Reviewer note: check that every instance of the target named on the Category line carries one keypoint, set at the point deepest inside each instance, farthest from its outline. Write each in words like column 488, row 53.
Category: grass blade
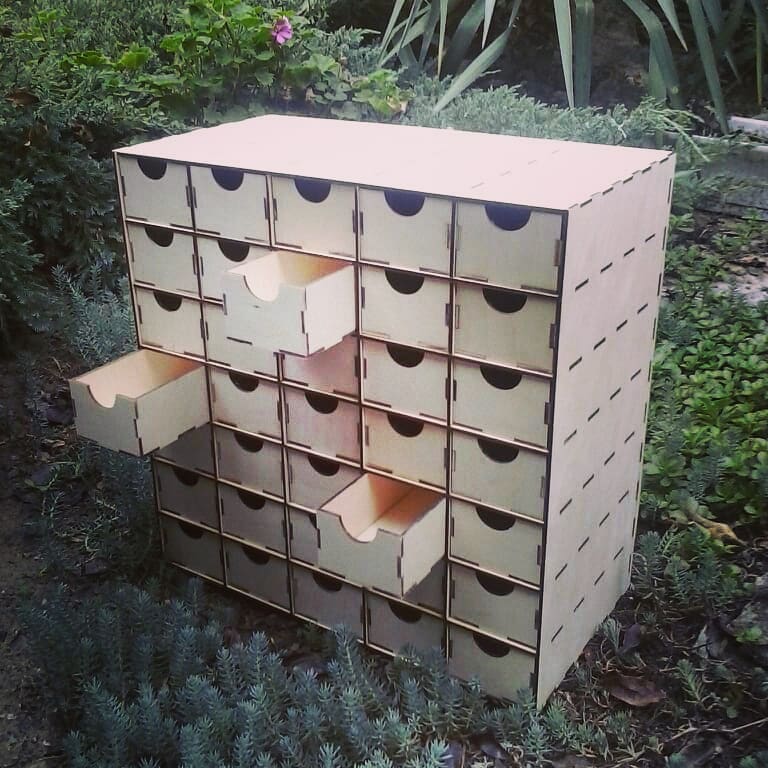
column 565, row 42
column 583, row 30
column 668, row 8
column 707, row 55
column 480, row 64
column 660, row 48
column 490, row 5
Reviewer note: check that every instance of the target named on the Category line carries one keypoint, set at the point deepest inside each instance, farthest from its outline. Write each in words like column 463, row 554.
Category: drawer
column 405, row 307
column 256, row 572
column 501, row 669
column 499, row 474
column 193, row 450
column 501, row 402
column 170, row 322
column 497, row 541
column 393, row 626
column 140, row 402
column 250, row 461
column 494, row 604
column 382, row 533
column 314, row 215
column 431, row 592
column 508, row 245
column 246, row 402
column 405, row 379
column 163, row 258
column 252, row 517
column 186, row 494
column 312, row 480
column 155, row 190
column 327, row 600
column 230, row 203
column 333, row 370
column 405, row 229
column 242, row 355
column 303, row 532
column 192, row 547
column 504, row 327
column 405, row 447
column 290, row 302
column 219, row 256
column 322, row 423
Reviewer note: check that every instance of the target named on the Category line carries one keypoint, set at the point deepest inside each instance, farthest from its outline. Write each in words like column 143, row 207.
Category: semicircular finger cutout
column 228, row 178
column 493, row 519
column 152, row 167
column 500, row 378
column 506, row 302
column 324, row 467
column 312, row 190
column 159, row 235
column 404, row 203
column 321, row 403
column 405, row 356
column 405, row 427
column 170, row 302
column 498, row 452
column 507, row 217
column 242, row 382
column 233, row 250
column 404, row 282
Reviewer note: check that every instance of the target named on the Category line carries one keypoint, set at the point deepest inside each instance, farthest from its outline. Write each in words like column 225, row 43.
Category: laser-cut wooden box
column 505, row 293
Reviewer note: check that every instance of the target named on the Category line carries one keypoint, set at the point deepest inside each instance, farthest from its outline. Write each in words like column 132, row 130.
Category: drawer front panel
column 327, row 600
column 186, row 494
column 257, row 573
column 192, row 547
column 246, row 402
column 252, row 517
column 250, row 461
column 163, row 258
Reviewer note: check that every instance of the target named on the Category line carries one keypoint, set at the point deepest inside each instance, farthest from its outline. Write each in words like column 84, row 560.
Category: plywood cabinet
column 428, row 357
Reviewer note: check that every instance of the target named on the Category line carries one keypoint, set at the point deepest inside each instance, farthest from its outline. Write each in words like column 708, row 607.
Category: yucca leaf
column 668, row 7
column 656, row 86
column 714, row 12
column 660, row 48
column 490, row 5
column 429, row 31
column 443, row 25
column 583, row 30
column 462, row 38
column 565, row 42
column 404, row 35
column 761, row 16
column 480, row 64
column 707, row 56
column 390, row 29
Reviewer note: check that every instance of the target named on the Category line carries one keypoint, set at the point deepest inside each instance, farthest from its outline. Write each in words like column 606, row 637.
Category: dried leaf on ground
column 490, row 747
column 632, row 639
column 635, row 691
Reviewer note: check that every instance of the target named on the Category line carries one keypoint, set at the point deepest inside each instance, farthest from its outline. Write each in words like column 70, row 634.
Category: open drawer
column 382, row 533
column 290, row 302
column 140, row 402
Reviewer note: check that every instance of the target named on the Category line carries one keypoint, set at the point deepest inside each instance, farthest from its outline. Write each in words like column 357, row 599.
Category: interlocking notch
column 503, row 294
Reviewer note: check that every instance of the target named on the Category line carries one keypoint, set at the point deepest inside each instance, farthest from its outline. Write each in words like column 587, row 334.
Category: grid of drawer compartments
column 472, row 375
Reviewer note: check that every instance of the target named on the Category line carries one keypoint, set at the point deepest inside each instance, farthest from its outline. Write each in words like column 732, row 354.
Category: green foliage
column 708, row 416
column 449, row 29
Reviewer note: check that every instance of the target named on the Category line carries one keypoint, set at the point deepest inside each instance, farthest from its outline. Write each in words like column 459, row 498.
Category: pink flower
column 282, row 30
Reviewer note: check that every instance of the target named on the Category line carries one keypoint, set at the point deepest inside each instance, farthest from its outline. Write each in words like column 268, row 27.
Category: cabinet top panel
column 538, row 173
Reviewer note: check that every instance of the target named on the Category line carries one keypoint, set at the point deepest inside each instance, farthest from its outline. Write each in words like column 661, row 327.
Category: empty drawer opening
column 312, row 190
column 498, row 452
column 227, row 178
column 404, row 282
column 506, row 302
column 372, row 503
column 159, row 236
column 500, row 378
column 404, row 203
column 507, row 217
column 152, row 167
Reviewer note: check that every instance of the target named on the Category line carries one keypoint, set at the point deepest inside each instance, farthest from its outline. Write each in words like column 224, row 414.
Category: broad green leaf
column 565, row 42
column 463, row 36
column 490, row 6
column 661, row 49
column 583, row 30
column 668, row 7
column 134, row 58
column 707, row 55
column 480, row 64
